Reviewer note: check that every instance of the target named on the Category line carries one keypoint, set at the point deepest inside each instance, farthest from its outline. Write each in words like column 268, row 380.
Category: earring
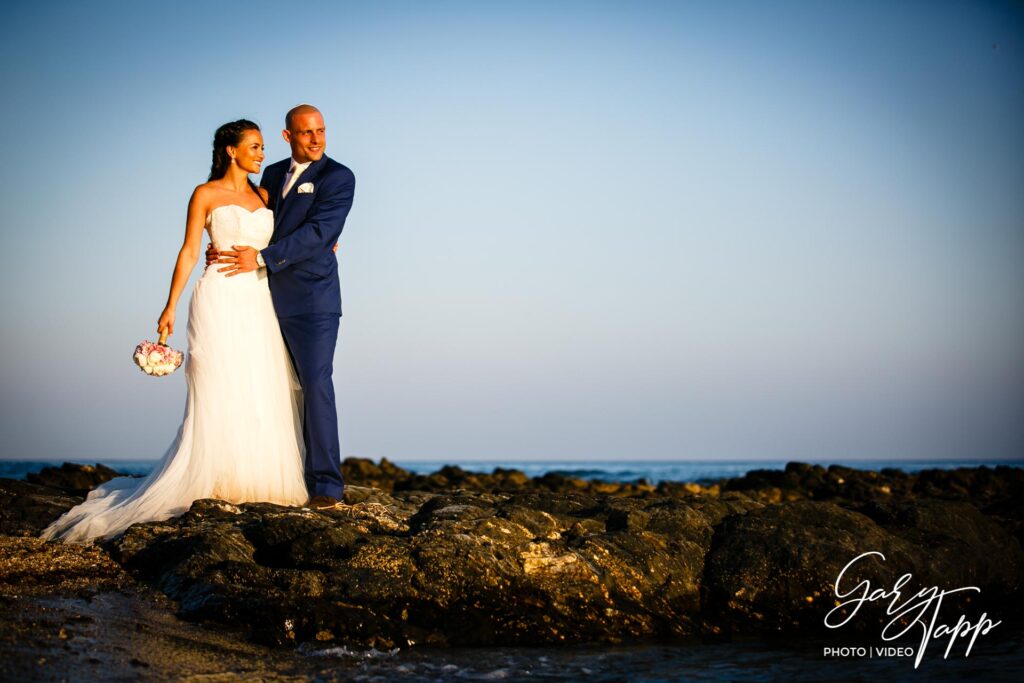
column 232, row 160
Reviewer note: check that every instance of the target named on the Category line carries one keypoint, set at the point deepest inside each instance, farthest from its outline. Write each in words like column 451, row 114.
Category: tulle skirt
column 241, row 436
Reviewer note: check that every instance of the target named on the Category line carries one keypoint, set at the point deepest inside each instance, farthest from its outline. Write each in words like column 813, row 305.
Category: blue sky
column 582, row 230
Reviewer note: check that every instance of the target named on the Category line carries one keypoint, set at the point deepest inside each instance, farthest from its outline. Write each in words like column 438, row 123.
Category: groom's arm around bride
column 322, row 196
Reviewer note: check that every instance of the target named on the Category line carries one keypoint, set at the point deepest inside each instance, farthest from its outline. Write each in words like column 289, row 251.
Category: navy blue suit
column 303, row 276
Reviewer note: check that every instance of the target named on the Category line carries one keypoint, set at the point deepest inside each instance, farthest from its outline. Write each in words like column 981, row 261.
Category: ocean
column 753, row 660
column 653, row 471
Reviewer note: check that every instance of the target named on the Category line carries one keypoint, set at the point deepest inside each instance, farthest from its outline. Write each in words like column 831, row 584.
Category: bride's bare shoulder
column 205, row 189
column 202, row 197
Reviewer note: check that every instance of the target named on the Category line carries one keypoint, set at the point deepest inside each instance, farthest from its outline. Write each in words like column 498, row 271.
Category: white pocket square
column 304, row 188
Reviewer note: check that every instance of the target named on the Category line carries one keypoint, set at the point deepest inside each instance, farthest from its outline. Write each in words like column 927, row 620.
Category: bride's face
column 249, row 152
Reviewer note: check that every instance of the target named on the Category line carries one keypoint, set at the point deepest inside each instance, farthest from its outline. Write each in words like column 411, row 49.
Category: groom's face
column 307, row 137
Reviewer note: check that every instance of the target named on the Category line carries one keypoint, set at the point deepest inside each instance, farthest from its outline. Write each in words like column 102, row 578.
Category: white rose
column 148, row 369
column 140, row 358
column 154, row 356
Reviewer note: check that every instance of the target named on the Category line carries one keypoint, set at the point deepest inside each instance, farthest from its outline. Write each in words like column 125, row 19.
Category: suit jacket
column 302, row 268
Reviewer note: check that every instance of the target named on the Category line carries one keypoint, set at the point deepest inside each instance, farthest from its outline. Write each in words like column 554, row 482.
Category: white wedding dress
column 241, row 436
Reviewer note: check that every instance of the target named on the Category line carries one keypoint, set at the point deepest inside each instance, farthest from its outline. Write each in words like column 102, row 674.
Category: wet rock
column 29, row 507
column 625, row 519
column 462, row 568
column 363, row 471
column 76, row 480
column 462, row 558
column 32, row 567
column 774, row 569
column 957, row 544
column 981, row 486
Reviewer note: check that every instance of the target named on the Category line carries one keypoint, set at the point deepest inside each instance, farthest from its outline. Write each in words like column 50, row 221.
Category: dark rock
column 29, row 507
column 774, row 569
column 463, row 568
column 33, row 567
column 464, row 558
column 76, row 480
column 365, row 472
column 627, row 520
column 956, row 543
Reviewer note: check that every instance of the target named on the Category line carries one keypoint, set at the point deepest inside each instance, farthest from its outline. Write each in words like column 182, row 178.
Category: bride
column 241, row 437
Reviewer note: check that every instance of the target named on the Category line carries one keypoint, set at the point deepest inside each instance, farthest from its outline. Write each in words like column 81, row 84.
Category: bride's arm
column 187, row 256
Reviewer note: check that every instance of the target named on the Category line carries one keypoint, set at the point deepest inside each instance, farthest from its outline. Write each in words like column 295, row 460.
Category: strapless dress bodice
column 230, row 225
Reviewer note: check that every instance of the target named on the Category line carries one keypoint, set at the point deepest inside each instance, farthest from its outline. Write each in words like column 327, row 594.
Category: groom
column 310, row 195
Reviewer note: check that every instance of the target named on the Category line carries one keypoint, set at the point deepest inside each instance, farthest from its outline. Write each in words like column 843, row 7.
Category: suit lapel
column 284, row 202
column 275, row 189
column 279, row 185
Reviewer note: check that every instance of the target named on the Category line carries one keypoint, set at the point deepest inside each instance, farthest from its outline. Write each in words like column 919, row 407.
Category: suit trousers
column 311, row 340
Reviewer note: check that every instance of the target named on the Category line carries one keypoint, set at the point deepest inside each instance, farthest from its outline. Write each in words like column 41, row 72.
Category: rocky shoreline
column 462, row 558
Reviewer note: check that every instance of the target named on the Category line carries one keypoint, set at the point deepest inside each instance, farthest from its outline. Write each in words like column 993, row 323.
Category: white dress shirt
column 293, row 174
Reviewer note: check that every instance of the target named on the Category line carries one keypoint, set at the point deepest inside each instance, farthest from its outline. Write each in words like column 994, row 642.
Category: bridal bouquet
column 156, row 358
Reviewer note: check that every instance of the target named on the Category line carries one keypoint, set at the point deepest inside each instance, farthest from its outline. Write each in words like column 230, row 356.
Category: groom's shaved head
column 305, row 133
column 289, row 118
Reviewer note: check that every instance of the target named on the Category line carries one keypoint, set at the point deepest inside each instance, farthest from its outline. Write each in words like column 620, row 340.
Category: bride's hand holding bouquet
column 165, row 325
column 158, row 359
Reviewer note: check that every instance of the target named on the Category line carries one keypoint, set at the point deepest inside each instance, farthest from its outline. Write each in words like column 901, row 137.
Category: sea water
column 652, row 471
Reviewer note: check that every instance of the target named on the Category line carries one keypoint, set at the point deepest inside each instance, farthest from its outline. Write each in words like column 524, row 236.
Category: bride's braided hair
column 229, row 135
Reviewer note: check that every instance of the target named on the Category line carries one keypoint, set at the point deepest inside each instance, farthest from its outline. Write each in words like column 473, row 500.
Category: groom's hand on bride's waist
column 211, row 254
column 241, row 260
column 214, row 256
